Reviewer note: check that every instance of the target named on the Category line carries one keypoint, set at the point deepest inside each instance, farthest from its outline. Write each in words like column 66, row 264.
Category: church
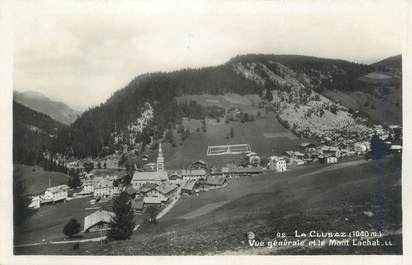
column 156, row 177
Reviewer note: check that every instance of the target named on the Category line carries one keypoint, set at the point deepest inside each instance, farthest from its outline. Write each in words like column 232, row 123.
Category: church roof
column 150, row 176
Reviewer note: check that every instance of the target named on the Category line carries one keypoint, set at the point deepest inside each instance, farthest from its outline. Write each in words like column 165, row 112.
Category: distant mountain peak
column 41, row 103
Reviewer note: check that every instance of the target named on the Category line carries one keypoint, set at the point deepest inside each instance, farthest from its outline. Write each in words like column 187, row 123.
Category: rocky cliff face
column 299, row 104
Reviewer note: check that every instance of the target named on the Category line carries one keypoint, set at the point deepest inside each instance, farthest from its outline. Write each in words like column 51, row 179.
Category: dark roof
column 147, row 187
column 215, row 181
column 137, row 204
column 130, row 190
column 189, row 184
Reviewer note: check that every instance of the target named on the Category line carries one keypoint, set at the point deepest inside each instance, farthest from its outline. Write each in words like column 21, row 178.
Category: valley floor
column 352, row 196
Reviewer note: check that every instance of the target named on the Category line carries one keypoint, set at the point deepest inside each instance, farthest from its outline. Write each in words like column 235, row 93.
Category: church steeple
column 160, row 159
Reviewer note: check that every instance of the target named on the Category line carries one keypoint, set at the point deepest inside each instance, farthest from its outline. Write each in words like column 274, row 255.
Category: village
column 154, row 186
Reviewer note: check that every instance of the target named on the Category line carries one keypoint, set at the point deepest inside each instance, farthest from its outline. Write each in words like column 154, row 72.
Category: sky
column 82, row 54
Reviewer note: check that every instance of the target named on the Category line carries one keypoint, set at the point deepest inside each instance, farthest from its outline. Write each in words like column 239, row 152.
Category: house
column 167, row 190
column 98, row 221
column 131, row 191
column 217, row 182
column 176, row 178
column 189, row 186
column 395, row 148
column 152, row 201
column 328, row 159
column 277, row 163
column 88, row 187
column 199, row 164
column 360, row 148
column 193, row 174
column 35, row 202
column 137, row 205
column 248, row 171
column 306, row 146
column 104, row 188
column 56, row 193
column 294, row 155
column 234, row 171
column 147, row 189
column 331, row 150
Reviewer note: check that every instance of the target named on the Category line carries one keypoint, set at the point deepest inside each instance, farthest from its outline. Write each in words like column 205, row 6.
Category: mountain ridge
column 39, row 102
column 91, row 134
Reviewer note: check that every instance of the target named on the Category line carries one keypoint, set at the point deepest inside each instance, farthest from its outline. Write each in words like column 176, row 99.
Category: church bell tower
column 160, row 159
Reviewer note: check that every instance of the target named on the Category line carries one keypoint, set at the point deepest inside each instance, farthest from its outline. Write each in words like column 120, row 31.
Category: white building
column 56, row 193
column 193, row 174
column 35, row 202
column 361, row 148
column 277, row 163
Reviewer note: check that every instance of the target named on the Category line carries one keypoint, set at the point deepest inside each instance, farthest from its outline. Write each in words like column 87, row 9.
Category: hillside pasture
column 265, row 134
column 36, row 179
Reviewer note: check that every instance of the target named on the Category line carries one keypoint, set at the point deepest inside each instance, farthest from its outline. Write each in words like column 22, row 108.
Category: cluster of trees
column 184, row 132
column 74, row 180
column 194, row 110
column 32, row 134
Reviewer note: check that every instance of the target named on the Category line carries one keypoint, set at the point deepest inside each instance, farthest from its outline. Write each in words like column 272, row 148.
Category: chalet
column 131, row 191
column 147, row 189
column 199, row 164
column 277, row 163
column 175, row 177
column 152, row 201
column 105, row 188
column 98, row 221
column 249, row 171
column 214, row 183
column 35, row 202
column 328, row 159
column 331, row 150
column 395, row 148
column 167, row 190
column 137, row 205
column 56, row 193
column 360, row 148
column 305, row 146
column 88, row 187
column 294, row 155
column 189, row 186
column 193, row 174
column 234, row 171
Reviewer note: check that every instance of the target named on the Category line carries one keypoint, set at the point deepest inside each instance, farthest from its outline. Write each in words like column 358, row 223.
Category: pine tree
column 21, row 200
column 377, row 147
column 121, row 226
